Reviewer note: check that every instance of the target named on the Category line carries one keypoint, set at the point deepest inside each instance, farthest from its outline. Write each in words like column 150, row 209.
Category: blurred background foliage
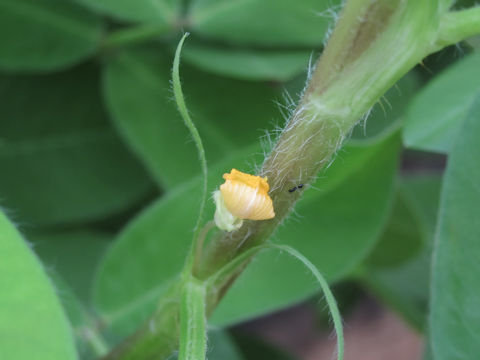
column 99, row 173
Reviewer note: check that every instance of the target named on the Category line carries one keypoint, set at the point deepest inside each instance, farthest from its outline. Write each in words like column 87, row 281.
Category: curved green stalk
column 331, row 302
column 456, row 26
column 182, row 108
column 234, row 266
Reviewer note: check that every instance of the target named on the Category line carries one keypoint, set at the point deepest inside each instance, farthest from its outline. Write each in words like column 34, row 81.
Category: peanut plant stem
column 372, row 46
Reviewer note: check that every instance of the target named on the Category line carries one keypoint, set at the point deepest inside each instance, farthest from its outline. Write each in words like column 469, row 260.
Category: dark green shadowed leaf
column 89, row 341
column 73, row 255
column 227, row 113
column 32, row 322
column 455, row 314
column 266, row 22
column 337, row 226
column 435, row 115
column 60, row 159
column 405, row 285
column 254, row 348
column 42, row 35
column 401, row 240
column 249, row 64
column 221, row 346
column 147, row 11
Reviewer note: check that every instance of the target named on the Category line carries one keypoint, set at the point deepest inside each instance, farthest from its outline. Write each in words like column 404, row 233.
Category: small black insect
column 295, row 188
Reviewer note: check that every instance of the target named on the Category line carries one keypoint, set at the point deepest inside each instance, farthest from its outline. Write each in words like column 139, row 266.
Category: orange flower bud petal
column 246, row 196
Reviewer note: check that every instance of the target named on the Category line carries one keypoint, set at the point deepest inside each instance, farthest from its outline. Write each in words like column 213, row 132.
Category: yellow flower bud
column 242, row 196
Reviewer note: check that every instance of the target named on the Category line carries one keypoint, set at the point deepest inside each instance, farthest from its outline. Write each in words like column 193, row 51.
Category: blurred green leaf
column 337, row 227
column 221, row 347
column 42, row 35
column 266, row 22
column 250, row 64
column 405, row 286
column 89, row 342
column 73, row 255
column 60, row 159
column 455, row 295
column 227, row 113
column 435, row 115
column 401, row 239
column 150, row 11
column 32, row 322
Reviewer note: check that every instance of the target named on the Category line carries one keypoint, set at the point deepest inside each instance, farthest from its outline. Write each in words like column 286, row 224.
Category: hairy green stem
column 182, row 108
column 331, row 302
column 373, row 44
column 193, row 322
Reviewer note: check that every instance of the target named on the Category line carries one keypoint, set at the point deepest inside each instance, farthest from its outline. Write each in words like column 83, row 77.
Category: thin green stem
column 193, row 322
column 235, row 266
column 331, row 302
column 96, row 341
column 456, row 26
column 182, row 108
column 235, row 263
column 135, row 35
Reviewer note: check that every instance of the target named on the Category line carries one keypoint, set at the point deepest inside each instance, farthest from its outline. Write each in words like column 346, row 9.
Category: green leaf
column 32, row 322
column 250, row 64
column 89, row 341
column 137, row 90
column 145, row 11
column 42, row 35
column 60, row 159
column 150, row 252
column 337, row 226
column 405, row 286
column 401, row 240
column 266, row 22
column 435, row 115
column 73, row 255
column 221, row 346
column 455, row 315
